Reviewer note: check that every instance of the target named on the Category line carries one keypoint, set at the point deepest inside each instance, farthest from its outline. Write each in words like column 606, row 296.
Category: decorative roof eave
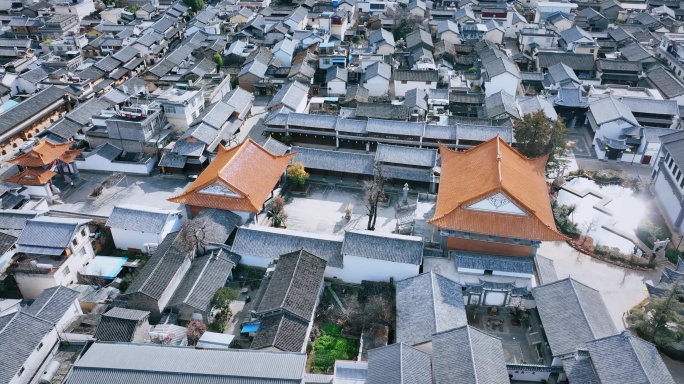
column 31, row 177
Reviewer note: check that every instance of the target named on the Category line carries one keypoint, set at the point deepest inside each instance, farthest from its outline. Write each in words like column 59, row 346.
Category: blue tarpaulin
column 250, row 328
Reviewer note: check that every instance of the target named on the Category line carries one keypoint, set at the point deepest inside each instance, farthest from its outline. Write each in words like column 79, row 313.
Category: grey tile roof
column 414, row 75
column 84, row 113
column 561, row 73
column 619, row 65
column 418, row 37
column 386, row 247
column 16, row 219
column 468, row 355
column 107, row 151
column 189, row 148
column 108, row 64
column 404, row 128
column 382, row 111
column 6, row 242
column 295, row 284
column 427, row 304
column 65, row 129
column 579, row 371
column 276, row 147
column 378, row 68
column 576, row 61
column 337, row 161
column 500, row 65
column 440, row 132
column 473, row 260
column 19, row 337
column 30, row 107
column 283, row 331
column 206, row 275
column 159, row 270
column 626, row 358
column 635, row 52
column 575, row 33
column 52, row 304
column 380, row 36
column 610, row 109
column 173, row 160
column 219, row 224
column 501, row 103
column 674, row 144
column 416, row 98
column 139, row 218
column 316, row 378
column 290, row 95
column 119, row 324
column 49, row 232
column 665, row 81
column 546, row 271
column 572, row 314
column 270, row 243
column 395, row 154
column 124, row 363
column 336, row 73
column 399, row 364
column 643, row 105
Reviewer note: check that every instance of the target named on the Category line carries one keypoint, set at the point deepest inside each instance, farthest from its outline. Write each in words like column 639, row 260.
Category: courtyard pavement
column 323, row 211
column 149, row 191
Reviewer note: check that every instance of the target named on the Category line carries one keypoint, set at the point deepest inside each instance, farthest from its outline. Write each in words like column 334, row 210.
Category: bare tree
column 373, row 194
column 193, row 234
column 588, row 227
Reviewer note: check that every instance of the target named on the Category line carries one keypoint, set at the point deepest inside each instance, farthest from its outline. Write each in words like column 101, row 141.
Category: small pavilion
column 40, row 164
column 493, row 209
column 240, row 179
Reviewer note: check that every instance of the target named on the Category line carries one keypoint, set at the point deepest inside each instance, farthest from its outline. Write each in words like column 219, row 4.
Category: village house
column 138, row 228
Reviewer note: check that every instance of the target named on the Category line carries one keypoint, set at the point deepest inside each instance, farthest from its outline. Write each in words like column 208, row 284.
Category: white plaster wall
column 125, row 239
column 35, row 360
column 512, row 274
column 401, row 89
column 377, row 86
column 337, row 87
column 357, row 269
column 98, row 163
column 504, row 82
column 531, row 376
column 667, row 197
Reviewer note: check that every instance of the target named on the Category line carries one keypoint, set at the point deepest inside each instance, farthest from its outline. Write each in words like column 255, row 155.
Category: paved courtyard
column 323, row 211
column 150, row 191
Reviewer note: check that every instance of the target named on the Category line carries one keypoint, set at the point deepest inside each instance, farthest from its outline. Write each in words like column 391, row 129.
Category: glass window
column 66, row 271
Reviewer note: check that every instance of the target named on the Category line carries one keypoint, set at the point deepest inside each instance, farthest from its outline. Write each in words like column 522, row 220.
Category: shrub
column 223, row 297
column 195, row 330
column 673, row 255
column 287, row 139
column 561, row 213
column 297, row 174
column 331, row 330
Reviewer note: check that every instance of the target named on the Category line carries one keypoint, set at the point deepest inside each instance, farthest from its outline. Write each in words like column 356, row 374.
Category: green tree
column 223, row 297
column 219, row 61
column 195, row 5
column 662, row 320
column 297, row 174
column 537, row 135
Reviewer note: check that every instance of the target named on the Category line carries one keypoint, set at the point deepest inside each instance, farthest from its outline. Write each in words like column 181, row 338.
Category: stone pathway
column 337, row 299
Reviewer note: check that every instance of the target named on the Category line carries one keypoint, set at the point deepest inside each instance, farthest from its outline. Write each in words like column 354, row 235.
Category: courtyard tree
column 588, row 227
column 373, row 194
column 297, row 174
column 219, row 61
column 276, row 211
column 223, row 297
column 195, row 330
column 662, row 321
column 193, row 234
column 195, row 5
column 537, row 135
column 404, row 22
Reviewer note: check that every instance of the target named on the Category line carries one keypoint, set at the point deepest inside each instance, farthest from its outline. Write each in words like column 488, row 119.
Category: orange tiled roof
column 70, row 155
column 239, row 179
column 31, row 176
column 490, row 168
column 42, row 154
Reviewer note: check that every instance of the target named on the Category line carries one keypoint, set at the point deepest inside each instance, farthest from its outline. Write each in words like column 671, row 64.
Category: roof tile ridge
column 630, row 340
column 433, row 277
column 294, row 272
column 584, row 314
column 200, row 275
column 470, row 351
